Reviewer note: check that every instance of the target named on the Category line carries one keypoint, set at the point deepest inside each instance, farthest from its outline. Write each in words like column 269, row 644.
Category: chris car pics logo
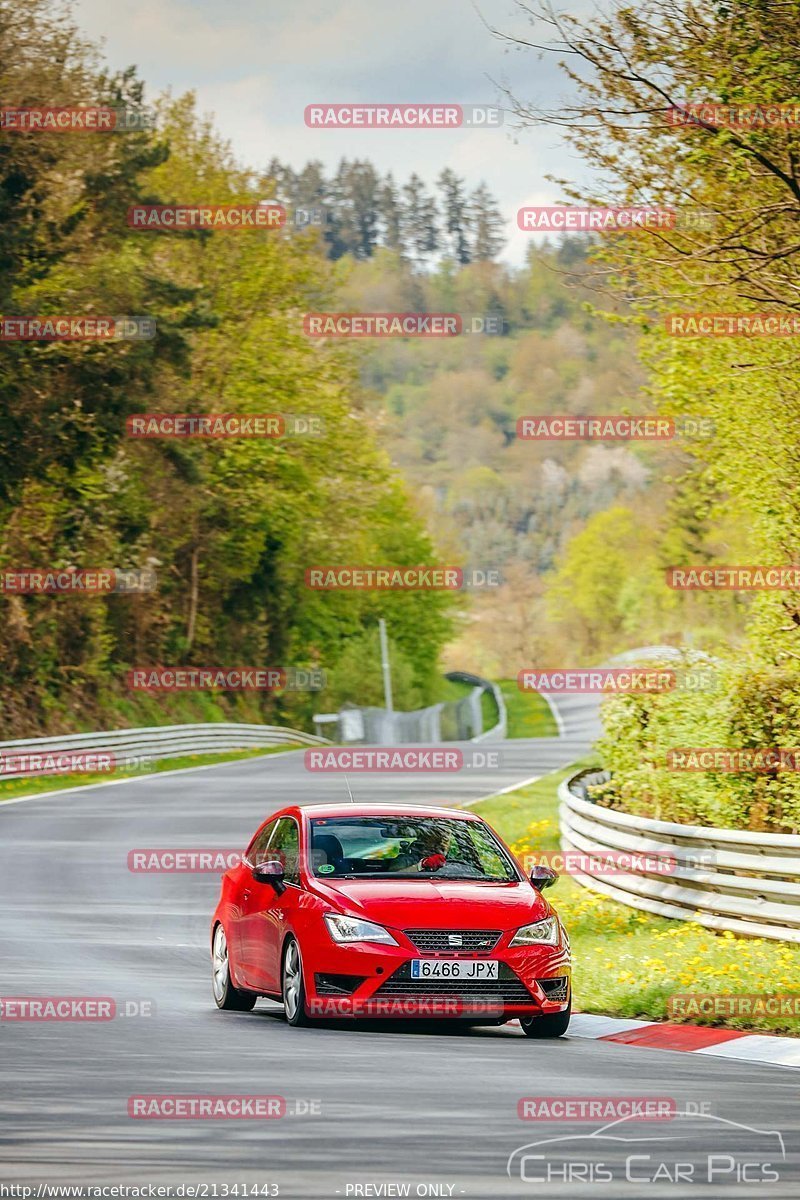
column 692, row 1148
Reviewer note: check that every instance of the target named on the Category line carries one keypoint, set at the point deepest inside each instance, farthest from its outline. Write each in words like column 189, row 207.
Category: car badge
column 455, row 939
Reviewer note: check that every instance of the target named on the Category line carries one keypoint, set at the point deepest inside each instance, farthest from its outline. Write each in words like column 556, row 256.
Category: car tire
column 552, row 1025
column 225, row 994
column 293, row 989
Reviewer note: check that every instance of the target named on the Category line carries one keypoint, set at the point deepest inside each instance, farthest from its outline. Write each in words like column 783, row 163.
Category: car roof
column 388, row 809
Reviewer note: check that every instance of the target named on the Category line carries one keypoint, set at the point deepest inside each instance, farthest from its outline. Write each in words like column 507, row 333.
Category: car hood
column 420, row 904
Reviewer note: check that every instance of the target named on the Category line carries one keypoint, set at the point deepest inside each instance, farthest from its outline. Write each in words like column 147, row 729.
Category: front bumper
column 369, row 980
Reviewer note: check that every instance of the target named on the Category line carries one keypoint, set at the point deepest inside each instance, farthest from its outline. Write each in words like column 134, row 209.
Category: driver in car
column 427, row 852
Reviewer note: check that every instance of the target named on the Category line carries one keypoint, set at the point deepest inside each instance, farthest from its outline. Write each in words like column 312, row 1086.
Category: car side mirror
column 270, row 872
column 543, row 877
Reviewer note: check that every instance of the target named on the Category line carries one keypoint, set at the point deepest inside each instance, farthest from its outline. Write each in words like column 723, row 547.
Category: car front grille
column 476, row 941
column 556, row 989
column 508, row 989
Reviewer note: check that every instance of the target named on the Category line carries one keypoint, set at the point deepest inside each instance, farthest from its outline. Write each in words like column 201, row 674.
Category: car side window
column 256, row 849
column 286, row 847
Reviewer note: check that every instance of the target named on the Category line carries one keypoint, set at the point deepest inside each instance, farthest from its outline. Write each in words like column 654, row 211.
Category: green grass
column 628, row 963
column 529, row 714
column 450, row 689
column 10, row 789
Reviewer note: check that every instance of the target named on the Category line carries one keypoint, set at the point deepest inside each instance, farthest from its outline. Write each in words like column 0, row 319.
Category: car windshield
column 407, row 848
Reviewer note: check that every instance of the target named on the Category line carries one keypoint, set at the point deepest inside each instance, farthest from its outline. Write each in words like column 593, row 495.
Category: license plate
column 448, row 968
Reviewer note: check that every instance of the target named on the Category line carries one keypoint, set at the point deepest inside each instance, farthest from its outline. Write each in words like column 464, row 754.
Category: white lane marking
column 504, row 791
column 594, row 1025
column 758, row 1047
column 559, row 720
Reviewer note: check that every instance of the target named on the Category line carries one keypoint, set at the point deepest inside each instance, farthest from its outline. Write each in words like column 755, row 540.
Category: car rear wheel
column 552, row 1025
column 292, row 986
column 225, row 994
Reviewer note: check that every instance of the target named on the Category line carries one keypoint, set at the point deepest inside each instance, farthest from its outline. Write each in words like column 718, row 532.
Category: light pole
column 385, row 666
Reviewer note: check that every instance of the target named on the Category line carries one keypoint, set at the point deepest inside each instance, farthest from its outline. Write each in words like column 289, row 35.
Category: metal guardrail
column 747, row 882
column 448, row 721
column 130, row 747
column 498, row 731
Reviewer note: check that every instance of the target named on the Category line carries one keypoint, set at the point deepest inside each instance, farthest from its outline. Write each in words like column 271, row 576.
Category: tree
column 390, row 213
column 420, row 232
column 456, row 217
column 487, row 224
column 631, row 75
column 229, row 525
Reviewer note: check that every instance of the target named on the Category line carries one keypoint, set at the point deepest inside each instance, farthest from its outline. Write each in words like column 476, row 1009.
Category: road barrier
column 130, row 747
column 449, row 721
column 746, row 882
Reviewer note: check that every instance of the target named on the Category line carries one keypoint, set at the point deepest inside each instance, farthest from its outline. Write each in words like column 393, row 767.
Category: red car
column 371, row 910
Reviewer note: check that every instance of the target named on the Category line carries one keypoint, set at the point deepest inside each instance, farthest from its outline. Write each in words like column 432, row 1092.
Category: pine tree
column 391, row 215
column 420, row 232
column 362, row 191
column 487, row 225
column 454, row 207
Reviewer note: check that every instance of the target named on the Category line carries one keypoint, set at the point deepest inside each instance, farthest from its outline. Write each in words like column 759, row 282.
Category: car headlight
column 351, row 929
column 540, row 933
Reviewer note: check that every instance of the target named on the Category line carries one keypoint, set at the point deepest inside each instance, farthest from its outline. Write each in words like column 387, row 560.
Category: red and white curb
column 697, row 1039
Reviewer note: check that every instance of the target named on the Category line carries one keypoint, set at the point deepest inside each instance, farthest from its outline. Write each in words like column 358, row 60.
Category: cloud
column 256, row 66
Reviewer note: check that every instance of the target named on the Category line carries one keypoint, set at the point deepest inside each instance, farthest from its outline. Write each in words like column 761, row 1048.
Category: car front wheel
column 292, row 986
column 552, row 1025
column 225, row 994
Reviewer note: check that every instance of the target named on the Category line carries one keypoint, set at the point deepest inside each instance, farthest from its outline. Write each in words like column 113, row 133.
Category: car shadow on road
column 425, row 1028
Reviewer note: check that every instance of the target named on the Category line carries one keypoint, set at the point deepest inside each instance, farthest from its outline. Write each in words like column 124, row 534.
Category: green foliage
column 229, row 526
column 736, row 500
column 746, row 706
column 358, row 675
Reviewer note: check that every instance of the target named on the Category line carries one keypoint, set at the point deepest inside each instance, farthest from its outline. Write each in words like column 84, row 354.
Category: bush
column 751, row 706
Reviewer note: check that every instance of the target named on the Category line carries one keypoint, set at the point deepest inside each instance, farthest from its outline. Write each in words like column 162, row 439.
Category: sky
column 256, row 64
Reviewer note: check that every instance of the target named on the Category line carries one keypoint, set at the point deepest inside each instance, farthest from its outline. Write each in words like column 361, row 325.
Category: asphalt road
column 367, row 1106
